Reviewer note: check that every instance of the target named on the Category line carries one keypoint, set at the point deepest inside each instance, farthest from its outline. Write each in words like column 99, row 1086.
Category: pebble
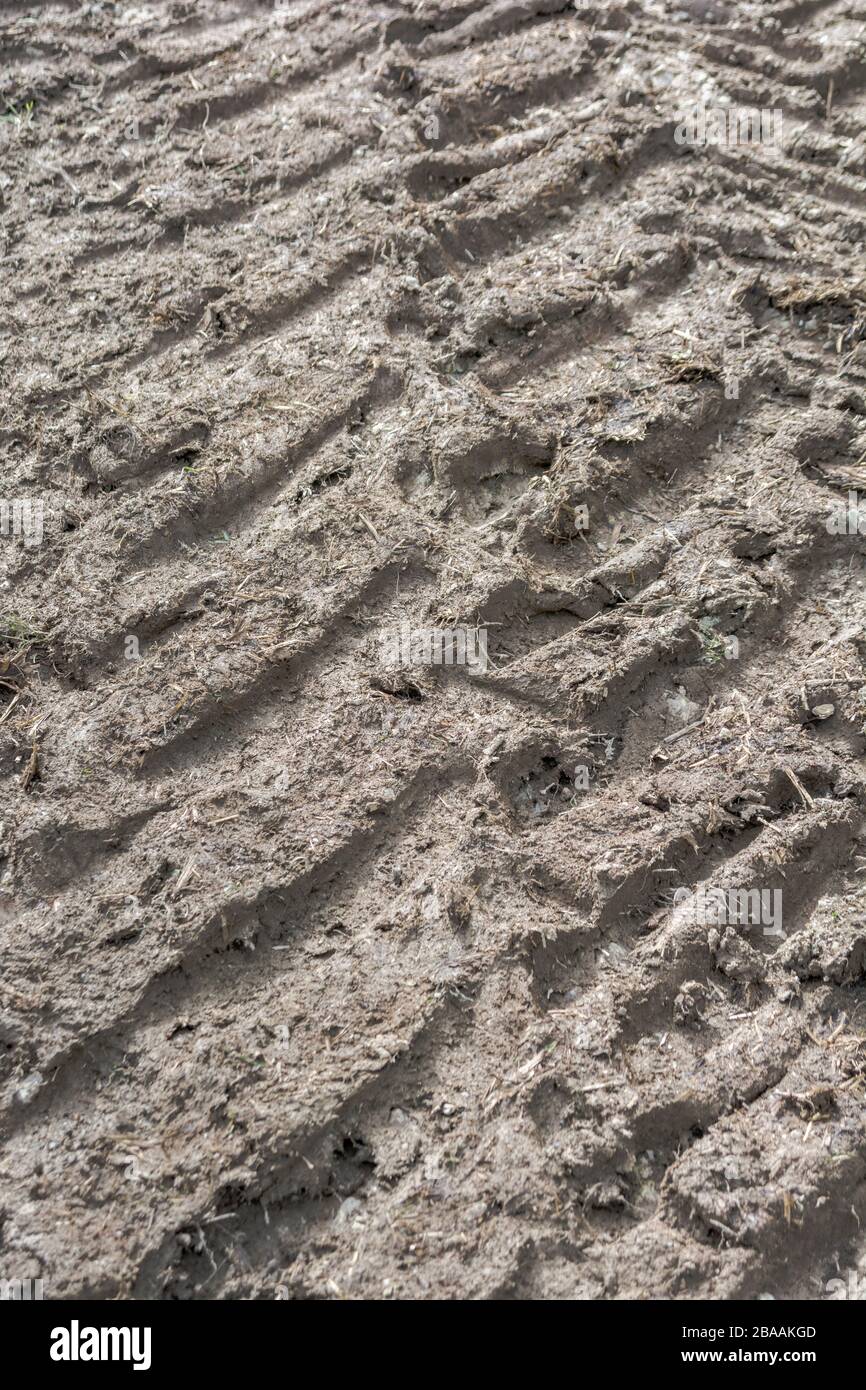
column 28, row 1088
column 349, row 1209
column 824, row 711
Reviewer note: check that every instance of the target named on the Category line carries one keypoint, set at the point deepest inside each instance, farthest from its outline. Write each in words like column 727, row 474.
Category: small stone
column 349, row 1211
column 681, row 708
column 824, row 711
column 28, row 1088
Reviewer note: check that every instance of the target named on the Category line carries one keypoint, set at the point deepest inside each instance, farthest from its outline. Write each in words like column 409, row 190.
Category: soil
column 325, row 981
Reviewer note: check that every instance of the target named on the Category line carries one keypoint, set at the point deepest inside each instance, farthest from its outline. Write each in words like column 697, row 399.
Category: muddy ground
column 326, row 980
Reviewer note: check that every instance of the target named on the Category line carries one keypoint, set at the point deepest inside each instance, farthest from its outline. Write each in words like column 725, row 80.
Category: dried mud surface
column 320, row 981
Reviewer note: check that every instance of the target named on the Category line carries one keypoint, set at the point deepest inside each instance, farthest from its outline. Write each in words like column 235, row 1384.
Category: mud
column 325, row 980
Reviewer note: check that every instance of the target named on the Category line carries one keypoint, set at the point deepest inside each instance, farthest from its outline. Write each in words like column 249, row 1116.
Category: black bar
column 236, row 1338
